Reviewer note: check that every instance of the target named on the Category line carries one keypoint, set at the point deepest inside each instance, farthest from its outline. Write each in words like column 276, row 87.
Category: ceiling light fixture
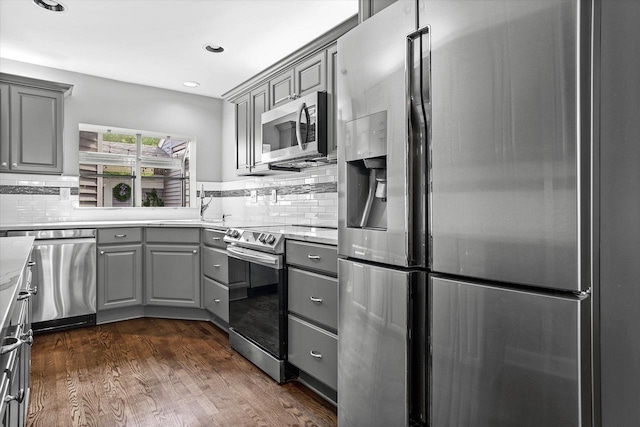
column 53, row 6
column 213, row 48
column 191, row 84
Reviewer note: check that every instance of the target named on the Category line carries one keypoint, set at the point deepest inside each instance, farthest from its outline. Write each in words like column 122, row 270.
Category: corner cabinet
column 119, row 267
column 31, row 123
column 172, row 267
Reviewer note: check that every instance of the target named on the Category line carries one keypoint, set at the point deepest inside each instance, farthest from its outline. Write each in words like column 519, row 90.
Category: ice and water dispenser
column 366, row 158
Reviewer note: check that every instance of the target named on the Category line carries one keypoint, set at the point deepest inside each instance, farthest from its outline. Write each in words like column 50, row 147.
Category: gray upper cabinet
column 243, row 165
column 332, row 86
column 310, row 69
column 282, row 88
column 249, row 109
column 31, row 125
column 311, row 74
column 259, row 104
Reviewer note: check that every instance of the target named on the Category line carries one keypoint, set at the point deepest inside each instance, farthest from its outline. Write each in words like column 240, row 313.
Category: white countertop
column 14, row 255
column 317, row 234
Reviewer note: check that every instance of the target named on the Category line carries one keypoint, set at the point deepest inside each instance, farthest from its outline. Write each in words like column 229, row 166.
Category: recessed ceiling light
column 53, row 6
column 213, row 48
column 191, row 84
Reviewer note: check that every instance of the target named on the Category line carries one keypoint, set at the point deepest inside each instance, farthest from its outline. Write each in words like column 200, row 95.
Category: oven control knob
column 235, row 234
column 270, row 239
column 262, row 237
column 228, row 232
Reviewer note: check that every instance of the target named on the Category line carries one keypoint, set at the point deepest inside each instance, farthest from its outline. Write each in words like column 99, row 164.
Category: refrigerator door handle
column 418, row 80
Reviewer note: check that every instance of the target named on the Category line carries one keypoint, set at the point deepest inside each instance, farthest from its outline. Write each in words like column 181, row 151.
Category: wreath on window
column 122, row 192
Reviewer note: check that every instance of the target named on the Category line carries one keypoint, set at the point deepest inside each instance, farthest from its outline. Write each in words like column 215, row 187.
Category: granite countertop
column 318, row 234
column 14, row 255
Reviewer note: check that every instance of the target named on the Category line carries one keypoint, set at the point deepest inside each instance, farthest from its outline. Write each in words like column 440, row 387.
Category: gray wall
column 620, row 213
column 100, row 101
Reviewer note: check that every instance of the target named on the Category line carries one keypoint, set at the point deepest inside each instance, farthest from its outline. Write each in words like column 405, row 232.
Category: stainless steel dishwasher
column 65, row 274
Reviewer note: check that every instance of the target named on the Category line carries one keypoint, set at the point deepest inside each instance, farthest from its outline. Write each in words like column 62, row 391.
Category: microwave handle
column 303, row 107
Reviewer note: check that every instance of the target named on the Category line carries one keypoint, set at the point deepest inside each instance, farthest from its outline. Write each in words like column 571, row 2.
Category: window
column 126, row 168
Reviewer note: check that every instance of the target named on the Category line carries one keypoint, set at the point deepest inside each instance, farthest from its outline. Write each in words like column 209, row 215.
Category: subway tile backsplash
column 306, row 197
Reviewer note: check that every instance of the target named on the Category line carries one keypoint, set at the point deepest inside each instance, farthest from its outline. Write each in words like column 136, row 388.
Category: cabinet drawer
column 119, row 235
column 216, row 298
column 313, row 255
column 173, row 235
column 215, row 264
column 314, row 350
column 314, row 296
column 213, row 238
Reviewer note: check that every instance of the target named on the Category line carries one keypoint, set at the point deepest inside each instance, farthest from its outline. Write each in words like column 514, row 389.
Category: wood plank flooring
column 159, row 372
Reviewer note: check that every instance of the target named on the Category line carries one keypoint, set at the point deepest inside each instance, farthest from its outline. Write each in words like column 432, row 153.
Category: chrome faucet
column 203, row 205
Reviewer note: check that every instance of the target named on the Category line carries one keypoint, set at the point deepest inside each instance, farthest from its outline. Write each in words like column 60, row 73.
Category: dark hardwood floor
column 158, row 372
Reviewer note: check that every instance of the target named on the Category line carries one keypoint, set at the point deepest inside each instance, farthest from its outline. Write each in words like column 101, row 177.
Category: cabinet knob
column 14, row 165
column 195, row 251
column 101, row 252
column 31, row 263
column 3, row 164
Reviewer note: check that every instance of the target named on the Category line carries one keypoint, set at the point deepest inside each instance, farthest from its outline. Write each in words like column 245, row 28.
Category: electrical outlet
column 254, row 195
column 274, row 196
column 65, row 193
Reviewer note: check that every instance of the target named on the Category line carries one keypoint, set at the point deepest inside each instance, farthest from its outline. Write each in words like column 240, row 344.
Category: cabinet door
column 243, row 135
column 119, row 276
column 259, row 104
column 282, row 88
column 332, row 104
column 172, row 275
column 311, row 74
column 4, row 128
column 36, row 130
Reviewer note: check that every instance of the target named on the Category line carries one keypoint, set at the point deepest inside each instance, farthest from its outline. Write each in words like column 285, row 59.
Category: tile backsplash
column 306, row 197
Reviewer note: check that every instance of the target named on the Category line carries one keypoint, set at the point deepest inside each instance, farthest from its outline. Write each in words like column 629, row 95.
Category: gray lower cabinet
column 172, row 275
column 313, row 313
column 31, row 122
column 119, row 276
column 119, row 279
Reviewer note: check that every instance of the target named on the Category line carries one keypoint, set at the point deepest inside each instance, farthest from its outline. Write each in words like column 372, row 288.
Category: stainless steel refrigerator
column 465, row 200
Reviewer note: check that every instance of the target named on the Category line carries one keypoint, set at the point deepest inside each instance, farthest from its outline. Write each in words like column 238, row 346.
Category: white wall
column 100, row 101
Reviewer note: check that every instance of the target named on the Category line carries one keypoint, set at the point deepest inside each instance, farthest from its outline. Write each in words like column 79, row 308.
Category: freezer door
column 510, row 140
column 373, row 345
column 502, row 357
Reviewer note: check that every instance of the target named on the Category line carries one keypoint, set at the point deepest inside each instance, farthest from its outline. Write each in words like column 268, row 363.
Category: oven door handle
column 245, row 255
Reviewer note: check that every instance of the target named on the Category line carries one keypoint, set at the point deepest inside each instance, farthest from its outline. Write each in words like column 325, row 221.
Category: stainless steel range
column 257, row 313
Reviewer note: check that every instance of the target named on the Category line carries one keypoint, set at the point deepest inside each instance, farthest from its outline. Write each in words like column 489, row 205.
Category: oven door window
column 256, row 305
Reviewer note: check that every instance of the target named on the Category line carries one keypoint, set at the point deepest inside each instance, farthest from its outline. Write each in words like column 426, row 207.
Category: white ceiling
column 161, row 42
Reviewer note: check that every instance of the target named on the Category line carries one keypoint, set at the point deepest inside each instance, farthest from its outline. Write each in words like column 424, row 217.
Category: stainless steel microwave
column 295, row 133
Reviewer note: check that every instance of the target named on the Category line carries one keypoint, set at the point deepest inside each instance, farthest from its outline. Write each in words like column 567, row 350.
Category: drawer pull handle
column 31, row 263
column 120, row 236
column 215, row 238
column 217, row 301
column 315, row 354
column 216, row 265
column 195, row 251
column 101, row 252
column 314, row 299
column 17, row 342
column 18, row 397
column 314, row 257
column 26, row 294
